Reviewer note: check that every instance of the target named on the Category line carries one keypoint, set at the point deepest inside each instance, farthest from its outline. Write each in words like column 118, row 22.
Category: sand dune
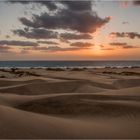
column 60, row 107
column 126, row 83
column 44, row 87
column 29, row 125
column 83, row 106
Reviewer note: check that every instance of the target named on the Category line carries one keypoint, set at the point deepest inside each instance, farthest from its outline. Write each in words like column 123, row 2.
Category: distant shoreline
column 67, row 68
column 69, row 64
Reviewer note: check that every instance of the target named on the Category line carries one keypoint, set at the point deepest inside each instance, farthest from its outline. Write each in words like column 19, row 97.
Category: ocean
column 70, row 64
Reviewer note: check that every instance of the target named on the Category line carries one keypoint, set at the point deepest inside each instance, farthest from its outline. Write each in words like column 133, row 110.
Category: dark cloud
column 64, row 40
column 66, row 19
column 7, row 36
column 75, row 16
column 59, row 49
column 82, row 44
column 36, row 33
column 17, row 43
column 48, row 42
column 78, row 5
column 49, row 4
column 35, row 48
column 107, row 49
column 125, row 22
column 131, row 35
column 129, row 47
column 123, row 45
column 117, row 34
column 118, row 44
column 136, row 2
column 72, row 36
column 52, row 49
column 102, row 46
column 126, row 3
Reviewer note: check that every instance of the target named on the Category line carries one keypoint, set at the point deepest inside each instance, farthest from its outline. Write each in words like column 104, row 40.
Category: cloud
column 129, row 47
column 102, row 46
column 49, row 4
column 123, row 45
column 48, row 42
column 75, row 15
column 82, row 44
column 85, row 22
column 125, row 22
column 17, row 43
column 35, row 48
column 7, row 36
column 70, row 16
column 64, row 40
column 4, row 49
column 107, row 49
column 124, row 4
column 118, row 44
column 52, row 49
column 136, row 2
column 131, row 35
column 72, row 36
column 127, row 3
column 36, row 33
column 78, row 5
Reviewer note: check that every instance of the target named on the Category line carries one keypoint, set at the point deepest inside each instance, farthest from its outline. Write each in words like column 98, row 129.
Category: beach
column 69, row 103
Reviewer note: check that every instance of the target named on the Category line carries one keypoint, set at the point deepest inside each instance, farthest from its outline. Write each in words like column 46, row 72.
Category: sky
column 69, row 30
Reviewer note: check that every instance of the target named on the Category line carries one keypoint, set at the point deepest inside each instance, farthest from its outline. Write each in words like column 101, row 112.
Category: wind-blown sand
column 91, row 103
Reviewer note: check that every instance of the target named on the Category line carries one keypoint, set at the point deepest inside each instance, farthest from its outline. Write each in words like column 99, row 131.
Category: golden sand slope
column 87, row 104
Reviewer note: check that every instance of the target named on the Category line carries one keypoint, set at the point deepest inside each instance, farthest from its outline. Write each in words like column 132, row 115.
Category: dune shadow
column 84, row 105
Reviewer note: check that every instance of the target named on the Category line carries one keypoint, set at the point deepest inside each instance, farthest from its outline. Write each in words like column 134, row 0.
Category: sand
column 88, row 103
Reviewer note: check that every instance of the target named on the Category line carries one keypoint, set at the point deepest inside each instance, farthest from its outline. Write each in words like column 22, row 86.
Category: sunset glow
column 96, row 30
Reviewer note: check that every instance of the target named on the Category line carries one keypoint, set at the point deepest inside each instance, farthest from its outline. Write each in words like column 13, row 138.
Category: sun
column 97, row 50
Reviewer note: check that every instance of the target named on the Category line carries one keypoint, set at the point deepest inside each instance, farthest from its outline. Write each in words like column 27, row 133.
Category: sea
column 68, row 64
